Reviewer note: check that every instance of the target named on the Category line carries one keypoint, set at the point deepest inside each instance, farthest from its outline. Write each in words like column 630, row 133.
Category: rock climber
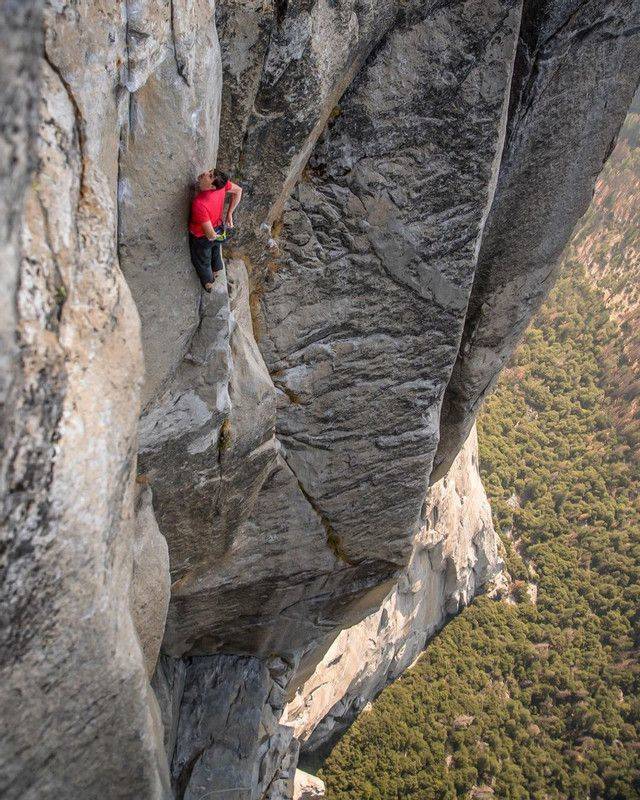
column 208, row 223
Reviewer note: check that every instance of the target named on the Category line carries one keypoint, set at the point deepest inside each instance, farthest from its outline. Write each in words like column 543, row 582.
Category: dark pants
column 206, row 257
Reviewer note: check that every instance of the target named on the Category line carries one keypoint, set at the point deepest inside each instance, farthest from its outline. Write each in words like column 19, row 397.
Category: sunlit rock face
column 169, row 121
column 307, row 787
column 74, row 686
column 411, row 172
column 454, row 554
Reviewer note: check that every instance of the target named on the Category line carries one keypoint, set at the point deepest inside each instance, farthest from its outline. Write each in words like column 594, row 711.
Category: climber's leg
column 201, row 257
column 216, row 258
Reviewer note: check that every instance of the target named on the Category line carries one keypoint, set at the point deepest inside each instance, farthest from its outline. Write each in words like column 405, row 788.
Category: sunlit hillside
column 607, row 243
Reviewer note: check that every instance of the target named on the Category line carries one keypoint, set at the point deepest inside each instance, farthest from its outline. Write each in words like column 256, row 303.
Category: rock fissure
column 280, row 9
column 79, row 125
column 333, row 539
column 180, row 66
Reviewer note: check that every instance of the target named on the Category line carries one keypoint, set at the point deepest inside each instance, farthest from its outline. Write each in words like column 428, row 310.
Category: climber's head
column 212, row 179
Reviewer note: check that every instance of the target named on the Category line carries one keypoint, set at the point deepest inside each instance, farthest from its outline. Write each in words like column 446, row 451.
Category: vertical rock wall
column 227, row 730
column 170, row 111
column 225, row 717
column 358, row 336
column 363, row 228
column 364, row 312
column 74, row 694
column 286, row 65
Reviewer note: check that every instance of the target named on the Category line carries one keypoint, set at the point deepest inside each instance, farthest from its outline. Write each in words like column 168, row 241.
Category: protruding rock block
column 575, row 75
column 454, row 555
column 307, row 787
column 364, row 312
column 150, row 582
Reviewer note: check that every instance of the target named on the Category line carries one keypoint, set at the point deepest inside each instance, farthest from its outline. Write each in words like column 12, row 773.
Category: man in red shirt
column 208, row 222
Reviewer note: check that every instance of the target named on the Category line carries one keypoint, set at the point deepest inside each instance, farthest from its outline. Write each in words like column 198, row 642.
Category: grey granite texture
column 75, row 701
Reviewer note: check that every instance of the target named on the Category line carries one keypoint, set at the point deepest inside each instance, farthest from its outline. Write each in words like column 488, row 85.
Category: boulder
column 307, row 787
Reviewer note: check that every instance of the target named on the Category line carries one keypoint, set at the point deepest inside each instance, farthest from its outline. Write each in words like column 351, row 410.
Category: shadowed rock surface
column 228, row 735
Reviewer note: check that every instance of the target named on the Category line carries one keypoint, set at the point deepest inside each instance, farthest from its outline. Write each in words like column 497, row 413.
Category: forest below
column 535, row 695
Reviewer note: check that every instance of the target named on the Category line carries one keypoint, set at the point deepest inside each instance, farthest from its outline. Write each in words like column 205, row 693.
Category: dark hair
column 220, row 178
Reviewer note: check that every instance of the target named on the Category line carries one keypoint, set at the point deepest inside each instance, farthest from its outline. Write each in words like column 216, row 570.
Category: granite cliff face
column 454, row 554
column 411, row 174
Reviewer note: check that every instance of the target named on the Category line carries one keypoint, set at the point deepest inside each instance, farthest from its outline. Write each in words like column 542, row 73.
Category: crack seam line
column 333, row 540
column 180, row 67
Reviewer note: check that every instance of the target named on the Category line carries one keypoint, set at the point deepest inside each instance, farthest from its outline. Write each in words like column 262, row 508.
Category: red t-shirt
column 207, row 206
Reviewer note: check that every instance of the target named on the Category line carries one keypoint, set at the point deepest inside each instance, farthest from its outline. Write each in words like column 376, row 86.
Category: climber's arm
column 208, row 229
column 236, row 193
column 200, row 215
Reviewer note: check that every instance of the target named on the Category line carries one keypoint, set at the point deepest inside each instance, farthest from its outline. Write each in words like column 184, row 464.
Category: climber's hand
column 229, row 221
column 209, row 230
